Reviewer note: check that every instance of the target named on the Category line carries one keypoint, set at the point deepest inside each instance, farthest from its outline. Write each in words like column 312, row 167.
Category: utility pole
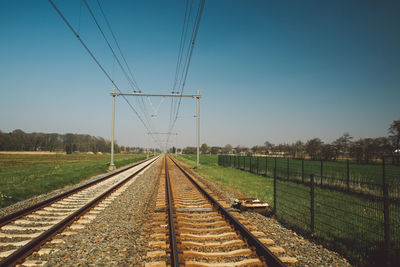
column 147, row 146
column 197, row 96
column 198, row 129
column 176, row 144
column 112, row 166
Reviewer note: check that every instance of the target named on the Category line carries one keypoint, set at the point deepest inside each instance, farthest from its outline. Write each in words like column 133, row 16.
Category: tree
column 204, row 149
column 215, row 150
column 328, row 152
column 370, row 149
column 68, row 148
column 189, row 150
column 394, row 137
column 356, row 150
column 342, row 144
column 258, row 149
column 313, row 148
column 268, row 147
column 19, row 140
column 227, row 149
column 299, row 149
column 241, row 149
column 282, row 149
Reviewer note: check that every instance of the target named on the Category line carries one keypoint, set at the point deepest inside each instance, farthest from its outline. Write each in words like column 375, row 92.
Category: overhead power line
column 185, row 27
column 101, row 67
column 131, row 80
column 179, row 87
column 119, row 48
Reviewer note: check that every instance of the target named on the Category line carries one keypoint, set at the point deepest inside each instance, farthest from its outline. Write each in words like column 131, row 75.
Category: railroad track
column 25, row 231
column 191, row 227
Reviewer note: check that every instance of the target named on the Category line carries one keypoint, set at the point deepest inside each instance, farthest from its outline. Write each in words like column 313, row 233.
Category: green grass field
column 348, row 223
column 361, row 178
column 334, row 169
column 23, row 176
column 244, row 183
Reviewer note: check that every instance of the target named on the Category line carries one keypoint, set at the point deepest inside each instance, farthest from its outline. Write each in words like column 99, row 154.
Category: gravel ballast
column 112, row 238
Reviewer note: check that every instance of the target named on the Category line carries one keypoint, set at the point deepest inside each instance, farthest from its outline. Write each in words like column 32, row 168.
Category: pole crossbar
column 162, row 133
column 157, row 95
column 197, row 97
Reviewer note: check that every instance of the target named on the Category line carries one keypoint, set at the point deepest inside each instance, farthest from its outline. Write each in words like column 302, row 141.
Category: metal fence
column 354, row 208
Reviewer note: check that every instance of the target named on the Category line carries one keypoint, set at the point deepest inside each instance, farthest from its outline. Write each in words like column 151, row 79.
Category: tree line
column 345, row 147
column 18, row 140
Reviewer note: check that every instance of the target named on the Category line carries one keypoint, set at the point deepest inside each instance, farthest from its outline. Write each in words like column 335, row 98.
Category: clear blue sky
column 267, row 70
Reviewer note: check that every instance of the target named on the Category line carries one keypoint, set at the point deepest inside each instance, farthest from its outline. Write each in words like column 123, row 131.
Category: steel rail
column 172, row 237
column 27, row 249
column 18, row 214
column 261, row 250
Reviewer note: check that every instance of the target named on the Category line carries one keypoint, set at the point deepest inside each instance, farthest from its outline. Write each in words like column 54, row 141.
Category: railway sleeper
column 245, row 262
column 207, row 229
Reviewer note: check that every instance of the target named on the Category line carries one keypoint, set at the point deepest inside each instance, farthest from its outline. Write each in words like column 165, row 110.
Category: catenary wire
column 187, row 65
column 132, row 83
column 179, row 61
column 132, row 79
column 102, row 69
column 188, row 60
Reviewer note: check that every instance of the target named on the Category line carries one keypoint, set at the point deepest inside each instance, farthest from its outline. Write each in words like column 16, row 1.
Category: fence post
column 274, row 210
column 348, row 175
column 266, row 166
column 288, row 173
column 322, row 170
column 312, row 203
column 386, row 212
column 257, row 165
column 275, row 169
column 302, row 170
